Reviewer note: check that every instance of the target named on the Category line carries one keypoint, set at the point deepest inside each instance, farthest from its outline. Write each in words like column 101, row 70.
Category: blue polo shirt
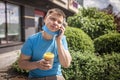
column 36, row 46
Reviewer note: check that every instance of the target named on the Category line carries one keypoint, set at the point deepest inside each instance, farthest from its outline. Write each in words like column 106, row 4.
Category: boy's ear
column 65, row 24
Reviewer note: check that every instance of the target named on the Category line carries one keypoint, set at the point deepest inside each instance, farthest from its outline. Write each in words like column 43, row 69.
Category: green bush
column 83, row 67
column 78, row 40
column 112, row 66
column 92, row 21
column 90, row 67
column 107, row 43
column 19, row 70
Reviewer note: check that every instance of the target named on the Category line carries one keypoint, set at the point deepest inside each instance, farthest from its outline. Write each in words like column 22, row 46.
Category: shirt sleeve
column 64, row 42
column 27, row 48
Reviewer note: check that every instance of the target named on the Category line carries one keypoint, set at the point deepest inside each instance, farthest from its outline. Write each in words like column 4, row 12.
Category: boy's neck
column 46, row 35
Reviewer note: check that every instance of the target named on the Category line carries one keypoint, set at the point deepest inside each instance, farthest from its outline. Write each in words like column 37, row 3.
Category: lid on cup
column 48, row 56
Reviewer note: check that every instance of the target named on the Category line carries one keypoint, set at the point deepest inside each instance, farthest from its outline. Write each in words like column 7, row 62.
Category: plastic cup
column 49, row 57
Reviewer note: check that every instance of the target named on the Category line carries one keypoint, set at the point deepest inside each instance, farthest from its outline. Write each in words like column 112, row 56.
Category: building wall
column 29, row 21
column 9, row 53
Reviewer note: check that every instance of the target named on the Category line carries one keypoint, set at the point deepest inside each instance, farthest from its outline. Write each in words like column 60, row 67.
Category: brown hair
column 57, row 10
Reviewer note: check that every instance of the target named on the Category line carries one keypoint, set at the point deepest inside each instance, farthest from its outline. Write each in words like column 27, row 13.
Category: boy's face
column 53, row 21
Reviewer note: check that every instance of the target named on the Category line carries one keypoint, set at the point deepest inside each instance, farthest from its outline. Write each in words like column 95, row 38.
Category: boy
column 51, row 39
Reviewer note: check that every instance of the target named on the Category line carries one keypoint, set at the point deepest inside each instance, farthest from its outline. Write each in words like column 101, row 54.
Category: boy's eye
column 53, row 19
column 59, row 22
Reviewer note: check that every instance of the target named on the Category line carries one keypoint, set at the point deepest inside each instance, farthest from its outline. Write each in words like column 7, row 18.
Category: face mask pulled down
column 45, row 28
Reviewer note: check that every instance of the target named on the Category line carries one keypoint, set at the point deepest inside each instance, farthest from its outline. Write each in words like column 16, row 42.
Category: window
column 2, row 21
column 10, row 31
column 39, row 20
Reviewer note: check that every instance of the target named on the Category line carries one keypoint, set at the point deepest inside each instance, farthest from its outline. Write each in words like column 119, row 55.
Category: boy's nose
column 56, row 22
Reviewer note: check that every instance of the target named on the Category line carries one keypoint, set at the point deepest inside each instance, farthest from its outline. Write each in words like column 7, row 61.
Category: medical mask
column 45, row 28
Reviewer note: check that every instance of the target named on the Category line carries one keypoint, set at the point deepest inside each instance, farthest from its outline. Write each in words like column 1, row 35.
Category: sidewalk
column 9, row 74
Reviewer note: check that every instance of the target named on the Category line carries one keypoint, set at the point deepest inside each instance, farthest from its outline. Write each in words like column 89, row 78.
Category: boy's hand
column 62, row 30
column 44, row 65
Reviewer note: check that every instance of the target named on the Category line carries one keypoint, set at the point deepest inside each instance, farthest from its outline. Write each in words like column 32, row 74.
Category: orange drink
column 49, row 57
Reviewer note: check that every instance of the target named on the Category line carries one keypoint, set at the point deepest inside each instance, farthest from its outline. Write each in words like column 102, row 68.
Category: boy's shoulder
column 35, row 36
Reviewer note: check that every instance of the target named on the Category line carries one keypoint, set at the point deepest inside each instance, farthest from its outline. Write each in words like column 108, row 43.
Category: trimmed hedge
column 107, row 43
column 78, row 40
column 90, row 67
column 93, row 22
column 112, row 66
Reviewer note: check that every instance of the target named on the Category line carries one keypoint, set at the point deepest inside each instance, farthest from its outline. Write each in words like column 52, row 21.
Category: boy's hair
column 57, row 10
